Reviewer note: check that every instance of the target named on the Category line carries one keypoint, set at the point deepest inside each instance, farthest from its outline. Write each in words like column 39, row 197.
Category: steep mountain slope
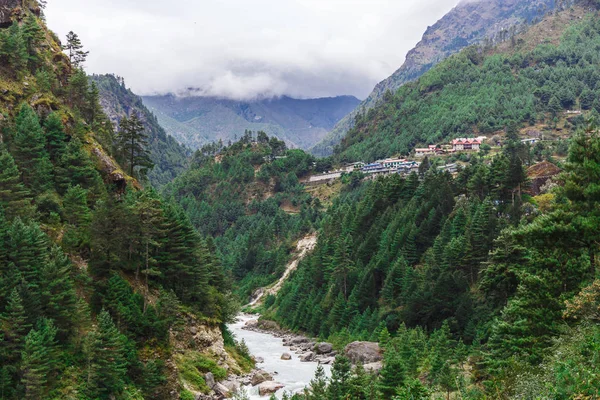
column 195, row 121
column 469, row 23
column 106, row 290
column 168, row 156
column 481, row 91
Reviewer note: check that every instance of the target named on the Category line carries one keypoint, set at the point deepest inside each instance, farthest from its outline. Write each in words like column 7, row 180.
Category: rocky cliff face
column 6, row 9
column 12, row 9
column 468, row 23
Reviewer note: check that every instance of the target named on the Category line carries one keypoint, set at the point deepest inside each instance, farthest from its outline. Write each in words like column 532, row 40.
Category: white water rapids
column 293, row 374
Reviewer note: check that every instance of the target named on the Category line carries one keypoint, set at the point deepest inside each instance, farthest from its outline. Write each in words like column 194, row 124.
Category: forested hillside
column 481, row 91
column 100, row 279
column 469, row 23
column 473, row 288
column 168, row 156
column 249, row 198
column 474, row 280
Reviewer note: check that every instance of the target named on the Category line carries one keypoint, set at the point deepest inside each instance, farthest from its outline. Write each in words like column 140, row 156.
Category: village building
column 422, row 152
column 392, row 162
column 466, row 144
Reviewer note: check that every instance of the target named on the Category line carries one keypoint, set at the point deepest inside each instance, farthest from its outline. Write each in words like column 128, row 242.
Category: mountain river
column 293, row 374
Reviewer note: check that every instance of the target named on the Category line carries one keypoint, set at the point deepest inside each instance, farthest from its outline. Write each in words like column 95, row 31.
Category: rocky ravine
column 303, row 247
column 369, row 354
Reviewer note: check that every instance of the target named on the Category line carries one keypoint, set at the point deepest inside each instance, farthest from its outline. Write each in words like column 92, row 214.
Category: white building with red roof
column 466, row 144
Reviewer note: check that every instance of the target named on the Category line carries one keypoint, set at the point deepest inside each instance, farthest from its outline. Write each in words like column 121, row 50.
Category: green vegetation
column 471, row 93
column 169, row 157
column 483, row 293
column 239, row 195
column 95, row 271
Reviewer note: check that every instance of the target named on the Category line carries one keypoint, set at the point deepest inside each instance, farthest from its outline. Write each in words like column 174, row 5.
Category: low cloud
column 240, row 49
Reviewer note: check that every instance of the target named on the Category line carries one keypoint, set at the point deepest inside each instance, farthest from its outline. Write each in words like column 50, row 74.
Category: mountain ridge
column 195, row 121
column 450, row 34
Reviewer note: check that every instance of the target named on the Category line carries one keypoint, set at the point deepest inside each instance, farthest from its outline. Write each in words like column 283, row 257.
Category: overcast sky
column 247, row 48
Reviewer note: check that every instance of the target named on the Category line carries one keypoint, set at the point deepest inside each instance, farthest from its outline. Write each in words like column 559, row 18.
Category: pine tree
column 93, row 109
column 318, row 386
column 14, row 327
column 58, row 292
column 76, row 168
column 78, row 90
column 14, row 48
column 30, row 150
column 392, row 375
column 14, row 198
column 38, row 360
column 106, row 359
column 133, row 144
column 56, row 139
column 74, row 48
column 340, row 375
column 33, row 36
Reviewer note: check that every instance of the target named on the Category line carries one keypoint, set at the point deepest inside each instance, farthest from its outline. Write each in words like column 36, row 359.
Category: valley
column 192, row 248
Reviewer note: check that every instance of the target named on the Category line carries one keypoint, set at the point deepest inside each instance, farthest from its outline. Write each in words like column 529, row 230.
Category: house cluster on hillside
column 389, row 166
column 460, row 144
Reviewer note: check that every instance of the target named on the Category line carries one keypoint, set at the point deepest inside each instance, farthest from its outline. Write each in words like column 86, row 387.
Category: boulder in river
column 268, row 388
column 259, row 360
column 286, row 356
column 363, row 352
column 299, row 340
column 260, row 376
column 310, row 356
column 324, row 348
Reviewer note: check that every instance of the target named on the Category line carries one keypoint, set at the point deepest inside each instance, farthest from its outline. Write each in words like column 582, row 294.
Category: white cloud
column 242, row 48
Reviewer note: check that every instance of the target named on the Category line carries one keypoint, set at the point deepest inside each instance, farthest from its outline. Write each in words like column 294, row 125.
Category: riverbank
column 279, row 357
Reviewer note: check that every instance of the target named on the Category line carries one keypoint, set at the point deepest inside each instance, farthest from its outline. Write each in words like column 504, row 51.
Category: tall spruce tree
column 56, row 139
column 133, row 145
column 14, row 197
column 30, row 153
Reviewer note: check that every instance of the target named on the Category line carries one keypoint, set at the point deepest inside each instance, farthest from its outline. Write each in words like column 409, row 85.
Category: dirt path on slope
column 304, row 246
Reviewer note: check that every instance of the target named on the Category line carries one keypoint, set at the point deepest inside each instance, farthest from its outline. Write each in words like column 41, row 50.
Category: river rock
column 363, row 352
column 267, row 388
column 310, row 356
column 268, row 325
column 252, row 323
column 232, row 384
column 259, row 360
column 299, row 340
column 209, row 378
column 327, row 361
column 286, row 356
column 375, row 367
column 221, row 390
column 324, row 348
column 260, row 376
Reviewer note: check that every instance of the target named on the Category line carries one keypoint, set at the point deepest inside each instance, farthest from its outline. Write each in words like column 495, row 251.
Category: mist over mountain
column 197, row 120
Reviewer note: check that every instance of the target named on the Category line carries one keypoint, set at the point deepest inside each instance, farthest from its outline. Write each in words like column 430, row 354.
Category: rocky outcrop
column 363, row 352
column 111, row 171
column 11, row 9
